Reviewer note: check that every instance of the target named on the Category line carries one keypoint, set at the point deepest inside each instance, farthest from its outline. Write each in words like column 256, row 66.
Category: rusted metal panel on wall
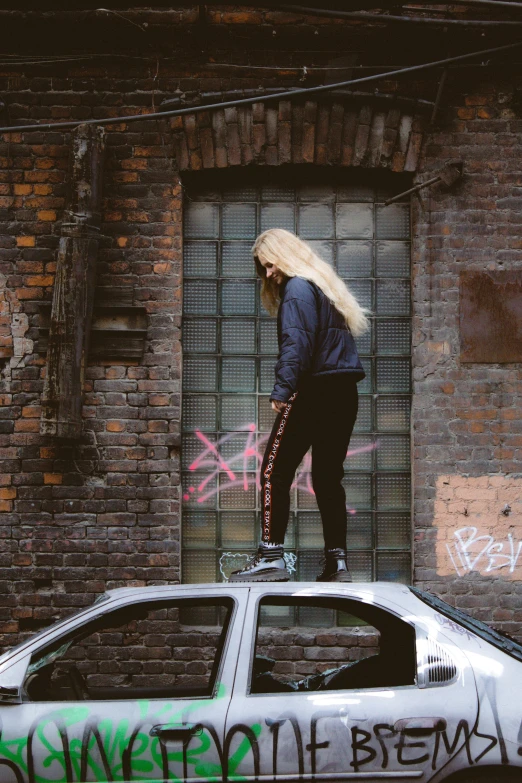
column 491, row 316
column 73, row 294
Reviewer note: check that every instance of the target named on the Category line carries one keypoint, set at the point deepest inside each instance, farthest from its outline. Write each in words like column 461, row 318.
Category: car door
column 141, row 693
column 369, row 715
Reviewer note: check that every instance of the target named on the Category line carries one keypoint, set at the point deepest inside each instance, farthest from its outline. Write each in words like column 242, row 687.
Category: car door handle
column 180, row 732
column 419, row 727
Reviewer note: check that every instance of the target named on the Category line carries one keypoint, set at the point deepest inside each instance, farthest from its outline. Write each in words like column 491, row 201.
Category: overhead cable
column 289, row 94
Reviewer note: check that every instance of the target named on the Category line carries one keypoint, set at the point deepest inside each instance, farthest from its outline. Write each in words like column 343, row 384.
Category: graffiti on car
column 75, row 744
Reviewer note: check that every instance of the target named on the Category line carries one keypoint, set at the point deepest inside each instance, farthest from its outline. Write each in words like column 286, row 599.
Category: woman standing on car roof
column 315, row 397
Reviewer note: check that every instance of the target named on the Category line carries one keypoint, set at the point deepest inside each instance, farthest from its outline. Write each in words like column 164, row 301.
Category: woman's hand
column 278, row 405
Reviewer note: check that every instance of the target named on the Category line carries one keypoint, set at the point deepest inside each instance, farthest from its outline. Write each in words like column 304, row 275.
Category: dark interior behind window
column 149, row 650
column 318, row 644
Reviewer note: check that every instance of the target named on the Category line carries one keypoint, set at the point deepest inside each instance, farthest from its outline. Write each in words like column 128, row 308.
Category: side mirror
column 12, row 680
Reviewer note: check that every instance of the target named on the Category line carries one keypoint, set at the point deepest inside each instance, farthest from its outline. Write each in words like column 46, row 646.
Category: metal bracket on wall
column 449, row 174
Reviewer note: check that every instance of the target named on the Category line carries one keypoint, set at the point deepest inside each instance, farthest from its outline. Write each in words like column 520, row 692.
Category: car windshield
column 8, row 653
column 491, row 635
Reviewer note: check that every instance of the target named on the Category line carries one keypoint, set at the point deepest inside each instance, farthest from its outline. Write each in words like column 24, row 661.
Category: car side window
column 314, row 644
column 147, row 650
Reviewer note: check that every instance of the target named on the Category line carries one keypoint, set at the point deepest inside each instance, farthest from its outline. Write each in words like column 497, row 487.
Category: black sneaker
column 335, row 568
column 267, row 565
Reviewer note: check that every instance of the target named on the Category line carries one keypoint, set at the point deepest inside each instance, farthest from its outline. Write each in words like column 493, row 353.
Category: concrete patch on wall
column 14, row 324
column 479, row 525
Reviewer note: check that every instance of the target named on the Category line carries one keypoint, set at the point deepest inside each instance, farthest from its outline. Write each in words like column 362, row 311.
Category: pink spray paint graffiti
column 240, row 469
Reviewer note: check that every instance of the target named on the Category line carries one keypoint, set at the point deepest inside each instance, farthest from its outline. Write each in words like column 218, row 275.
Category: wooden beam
column 73, row 294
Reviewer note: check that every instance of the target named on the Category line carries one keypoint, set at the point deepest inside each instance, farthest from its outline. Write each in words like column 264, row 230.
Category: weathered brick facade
column 105, row 511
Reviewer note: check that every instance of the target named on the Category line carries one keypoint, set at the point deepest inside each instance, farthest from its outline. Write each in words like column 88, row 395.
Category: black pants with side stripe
column 320, row 415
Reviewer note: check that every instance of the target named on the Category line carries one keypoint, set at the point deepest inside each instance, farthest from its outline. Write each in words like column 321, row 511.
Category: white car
column 278, row 682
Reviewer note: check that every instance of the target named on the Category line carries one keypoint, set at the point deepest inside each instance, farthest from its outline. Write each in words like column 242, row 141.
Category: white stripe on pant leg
column 267, row 484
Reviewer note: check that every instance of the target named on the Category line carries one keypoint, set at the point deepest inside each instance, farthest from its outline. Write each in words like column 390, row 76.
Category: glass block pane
column 392, row 222
column 316, row 221
column 199, row 297
column 238, row 193
column 394, row 567
column 238, row 297
column 393, row 413
column 237, row 494
column 354, row 259
column 393, row 375
column 309, row 531
column 199, row 412
column 354, row 221
column 199, row 335
column 394, row 337
column 362, row 290
column 325, row 250
column 364, row 341
column 354, row 192
column 316, row 193
column 237, row 260
column 268, row 336
column 239, row 221
column 266, row 374
column 393, row 531
column 199, row 528
column 278, row 216
column 200, row 259
column 266, row 415
column 238, row 451
column 393, row 492
column 359, row 531
column 309, row 563
column 277, row 193
column 238, row 335
column 201, row 221
column 239, row 530
column 393, row 259
column 366, row 385
column 200, row 489
column 282, row 616
column 360, row 565
column 195, row 452
column 358, row 490
column 199, row 566
column 238, row 374
column 360, row 453
column 313, row 616
column 393, row 297
column 393, row 452
column 237, row 412
column 364, row 416
column 199, row 373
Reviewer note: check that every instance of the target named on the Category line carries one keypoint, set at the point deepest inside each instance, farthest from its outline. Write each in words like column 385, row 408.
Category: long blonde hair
column 297, row 259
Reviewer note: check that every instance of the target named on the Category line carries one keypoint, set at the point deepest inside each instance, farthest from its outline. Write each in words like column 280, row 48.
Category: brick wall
column 105, row 511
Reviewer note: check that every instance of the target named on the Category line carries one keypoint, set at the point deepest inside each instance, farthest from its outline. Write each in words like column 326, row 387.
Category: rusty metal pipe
column 371, row 17
column 264, row 98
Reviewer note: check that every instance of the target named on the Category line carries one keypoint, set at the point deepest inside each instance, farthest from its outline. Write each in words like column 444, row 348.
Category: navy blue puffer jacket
column 313, row 339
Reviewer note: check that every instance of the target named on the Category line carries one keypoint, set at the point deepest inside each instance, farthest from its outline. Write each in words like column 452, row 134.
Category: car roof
column 377, row 589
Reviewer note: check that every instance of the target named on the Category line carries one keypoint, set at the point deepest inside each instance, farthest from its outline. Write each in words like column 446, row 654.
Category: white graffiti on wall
column 472, row 551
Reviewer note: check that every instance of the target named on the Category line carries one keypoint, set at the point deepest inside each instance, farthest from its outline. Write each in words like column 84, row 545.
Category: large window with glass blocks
column 229, row 353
